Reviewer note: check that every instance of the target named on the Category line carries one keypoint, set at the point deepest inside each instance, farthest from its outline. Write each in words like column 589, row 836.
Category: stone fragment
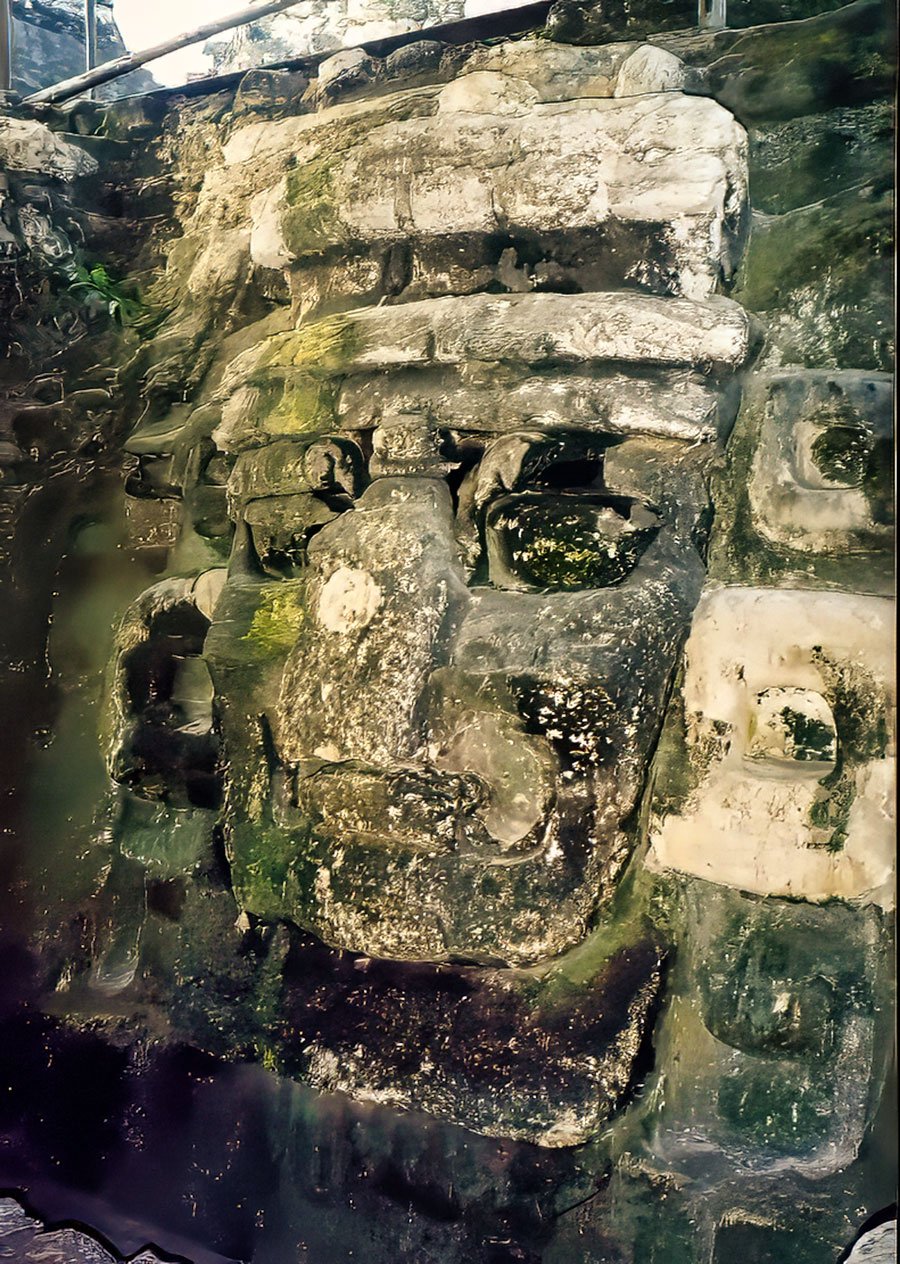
column 650, row 69
column 413, row 59
column 349, row 68
column 29, row 146
column 263, row 91
column 784, row 786
column 556, row 72
column 878, row 1246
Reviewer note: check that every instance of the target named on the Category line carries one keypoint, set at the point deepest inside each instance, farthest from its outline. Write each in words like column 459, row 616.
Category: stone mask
column 469, row 530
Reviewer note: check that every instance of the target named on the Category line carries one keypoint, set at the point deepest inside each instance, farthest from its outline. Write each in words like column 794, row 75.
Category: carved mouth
column 432, row 810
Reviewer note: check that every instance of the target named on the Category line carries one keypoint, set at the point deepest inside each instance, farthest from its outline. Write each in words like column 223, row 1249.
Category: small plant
column 97, row 286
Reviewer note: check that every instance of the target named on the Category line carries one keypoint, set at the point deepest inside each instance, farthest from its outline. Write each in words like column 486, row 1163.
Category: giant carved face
column 469, row 526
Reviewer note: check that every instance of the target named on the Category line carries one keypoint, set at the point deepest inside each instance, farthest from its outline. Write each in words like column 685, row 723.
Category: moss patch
column 279, row 618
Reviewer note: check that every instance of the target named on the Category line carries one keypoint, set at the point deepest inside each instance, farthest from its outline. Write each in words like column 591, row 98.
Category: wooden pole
column 122, row 65
column 5, row 46
column 90, row 37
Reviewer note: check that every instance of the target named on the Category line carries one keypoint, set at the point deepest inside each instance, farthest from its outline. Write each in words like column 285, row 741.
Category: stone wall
column 505, row 730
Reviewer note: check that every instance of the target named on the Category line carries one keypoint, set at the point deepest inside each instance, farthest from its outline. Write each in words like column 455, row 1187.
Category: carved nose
column 384, row 591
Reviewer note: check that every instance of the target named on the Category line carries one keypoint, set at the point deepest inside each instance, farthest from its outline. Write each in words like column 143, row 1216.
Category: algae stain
column 278, row 618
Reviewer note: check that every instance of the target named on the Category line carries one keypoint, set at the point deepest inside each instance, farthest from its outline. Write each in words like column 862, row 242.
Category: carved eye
column 172, row 752
column 566, row 540
column 791, row 727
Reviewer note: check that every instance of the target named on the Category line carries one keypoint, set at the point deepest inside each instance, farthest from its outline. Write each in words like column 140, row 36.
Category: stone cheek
column 789, row 703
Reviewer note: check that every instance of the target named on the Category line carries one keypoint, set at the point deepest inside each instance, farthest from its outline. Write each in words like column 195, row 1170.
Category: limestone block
column 671, row 166
column 650, row 69
column 494, row 399
column 808, row 497
column 537, row 330
column 820, row 475
column 29, row 146
column 556, row 72
column 771, row 1057
column 785, row 786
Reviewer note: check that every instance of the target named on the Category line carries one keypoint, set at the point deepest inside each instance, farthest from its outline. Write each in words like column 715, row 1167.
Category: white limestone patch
column 650, row 69
column 788, row 700
column 348, row 601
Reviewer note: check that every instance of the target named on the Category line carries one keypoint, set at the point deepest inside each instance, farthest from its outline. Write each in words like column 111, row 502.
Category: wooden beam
column 5, row 46
column 130, row 61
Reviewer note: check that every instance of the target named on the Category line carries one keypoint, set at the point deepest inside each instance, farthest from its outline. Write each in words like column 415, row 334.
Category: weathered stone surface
column 29, row 146
column 783, row 1045
column 619, row 162
column 820, row 276
column 489, row 1032
column 428, row 748
column 498, row 398
column 817, row 505
column 795, row 69
column 776, row 684
column 283, row 376
column 459, row 443
column 878, row 1246
column 27, row 1241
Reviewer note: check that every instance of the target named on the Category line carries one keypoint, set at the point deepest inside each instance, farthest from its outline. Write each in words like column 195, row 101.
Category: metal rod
column 90, row 34
column 90, row 37
column 130, row 61
column 5, row 46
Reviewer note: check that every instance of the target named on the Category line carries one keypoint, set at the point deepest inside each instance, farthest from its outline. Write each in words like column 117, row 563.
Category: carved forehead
column 621, row 362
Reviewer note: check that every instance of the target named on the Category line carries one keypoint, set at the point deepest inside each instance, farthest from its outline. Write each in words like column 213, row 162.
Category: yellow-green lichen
column 305, row 405
column 312, row 223
column 324, row 348
column 278, row 619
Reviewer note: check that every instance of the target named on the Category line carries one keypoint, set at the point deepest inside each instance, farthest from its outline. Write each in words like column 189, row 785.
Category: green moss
column 832, row 810
column 305, row 405
column 821, row 276
column 312, row 223
column 324, row 348
column 841, row 453
column 267, row 869
column 811, row 739
column 279, row 618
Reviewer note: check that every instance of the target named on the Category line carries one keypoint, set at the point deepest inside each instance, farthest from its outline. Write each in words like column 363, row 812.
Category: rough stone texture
column 877, row 1246
column 775, row 684
column 620, row 161
column 27, row 1241
column 817, row 506
column 419, row 801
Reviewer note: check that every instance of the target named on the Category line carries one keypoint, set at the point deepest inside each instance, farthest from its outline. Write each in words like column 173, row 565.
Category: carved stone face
column 469, row 527
column 441, row 670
